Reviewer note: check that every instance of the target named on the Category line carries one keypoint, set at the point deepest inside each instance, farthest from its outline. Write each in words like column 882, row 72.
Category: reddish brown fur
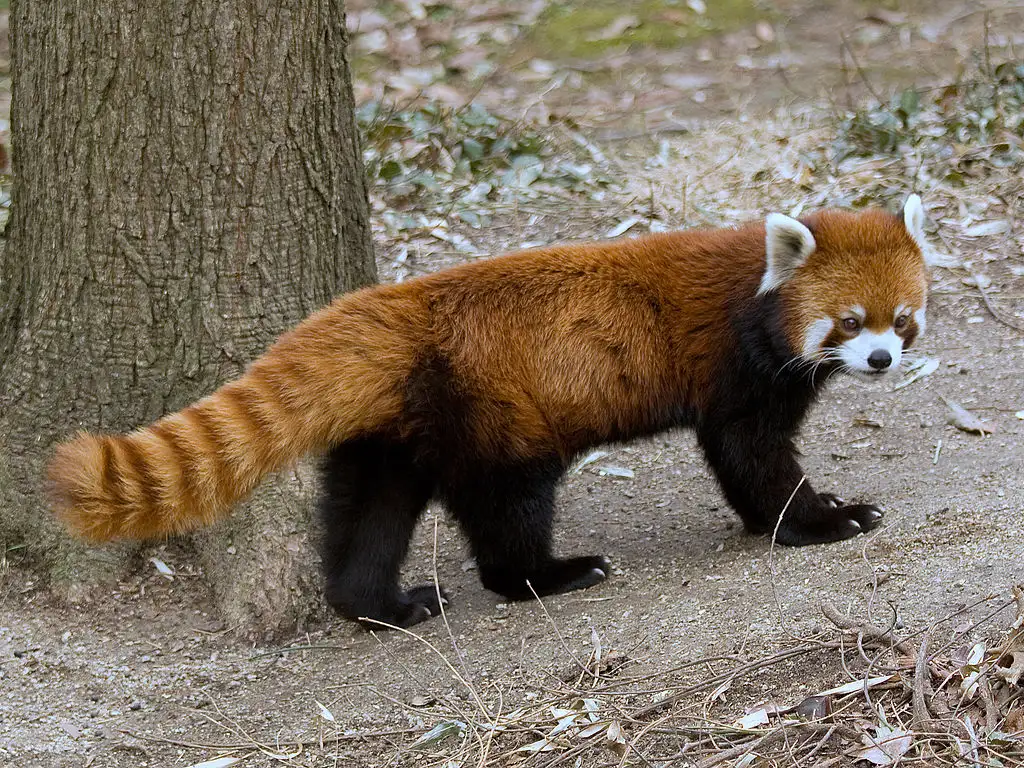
column 563, row 346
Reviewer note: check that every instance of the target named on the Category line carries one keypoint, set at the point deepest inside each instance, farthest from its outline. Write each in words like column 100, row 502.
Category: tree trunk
column 187, row 184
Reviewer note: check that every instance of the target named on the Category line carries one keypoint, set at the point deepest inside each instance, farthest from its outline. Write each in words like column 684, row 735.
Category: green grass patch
column 581, row 30
column 433, row 158
column 975, row 122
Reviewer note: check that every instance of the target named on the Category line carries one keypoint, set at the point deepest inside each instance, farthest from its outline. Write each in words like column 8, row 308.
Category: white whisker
column 809, row 363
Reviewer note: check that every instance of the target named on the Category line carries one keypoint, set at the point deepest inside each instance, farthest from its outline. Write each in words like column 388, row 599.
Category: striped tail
column 189, row 468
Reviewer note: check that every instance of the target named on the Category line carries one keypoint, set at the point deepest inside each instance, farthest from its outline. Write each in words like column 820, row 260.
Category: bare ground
column 147, row 675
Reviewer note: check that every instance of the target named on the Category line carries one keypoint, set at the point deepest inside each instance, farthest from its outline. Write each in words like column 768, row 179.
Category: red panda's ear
column 787, row 244
column 913, row 219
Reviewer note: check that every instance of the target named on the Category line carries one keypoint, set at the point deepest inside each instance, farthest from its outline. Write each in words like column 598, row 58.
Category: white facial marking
column 787, row 245
column 900, row 310
column 920, row 320
column 858, row 311
column 855, row 352
column 815, row 336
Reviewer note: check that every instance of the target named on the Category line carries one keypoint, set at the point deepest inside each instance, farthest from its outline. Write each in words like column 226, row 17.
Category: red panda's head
column 853, row 286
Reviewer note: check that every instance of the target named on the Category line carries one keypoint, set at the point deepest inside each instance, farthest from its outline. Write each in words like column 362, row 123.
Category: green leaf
column 390, row 170
column 473, row 149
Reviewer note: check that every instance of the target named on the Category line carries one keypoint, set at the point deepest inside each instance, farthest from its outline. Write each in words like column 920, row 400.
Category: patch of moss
column 574, row 29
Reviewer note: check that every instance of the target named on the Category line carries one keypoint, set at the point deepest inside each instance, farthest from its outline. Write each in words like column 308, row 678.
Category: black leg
column 372, row 498
column 507, row 516
column 757, row 469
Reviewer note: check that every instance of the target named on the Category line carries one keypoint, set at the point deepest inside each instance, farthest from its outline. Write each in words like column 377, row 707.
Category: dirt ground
column 147, row 675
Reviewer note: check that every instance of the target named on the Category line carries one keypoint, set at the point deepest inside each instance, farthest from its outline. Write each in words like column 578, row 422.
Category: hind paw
column 427, row 596
column 554, row 577
column 401, row 610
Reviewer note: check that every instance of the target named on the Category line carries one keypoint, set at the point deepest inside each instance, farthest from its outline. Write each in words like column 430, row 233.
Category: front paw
column 838, row 521
column 867, row 516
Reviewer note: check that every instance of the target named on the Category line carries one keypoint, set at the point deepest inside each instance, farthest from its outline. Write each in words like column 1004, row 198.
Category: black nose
column 879, row 359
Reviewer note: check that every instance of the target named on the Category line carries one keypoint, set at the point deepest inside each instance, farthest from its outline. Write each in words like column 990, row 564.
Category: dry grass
column 922, row 697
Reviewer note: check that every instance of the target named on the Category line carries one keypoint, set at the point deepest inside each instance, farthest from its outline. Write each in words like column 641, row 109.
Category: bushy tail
column 189, row 468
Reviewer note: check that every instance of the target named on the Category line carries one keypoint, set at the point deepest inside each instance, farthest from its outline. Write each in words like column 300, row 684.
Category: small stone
column 764, row 31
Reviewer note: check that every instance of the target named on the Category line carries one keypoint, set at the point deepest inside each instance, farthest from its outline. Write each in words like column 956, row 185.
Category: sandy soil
column 147, row 674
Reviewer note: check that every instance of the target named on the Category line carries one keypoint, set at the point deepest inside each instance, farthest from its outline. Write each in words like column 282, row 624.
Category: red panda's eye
column 851, row 324
column 901, row 321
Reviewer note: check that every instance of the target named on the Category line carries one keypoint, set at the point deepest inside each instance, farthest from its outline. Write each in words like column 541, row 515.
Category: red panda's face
column 855, row 292
column 865, row 343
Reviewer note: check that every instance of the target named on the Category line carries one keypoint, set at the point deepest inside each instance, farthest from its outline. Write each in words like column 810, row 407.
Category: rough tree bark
column 188, row 184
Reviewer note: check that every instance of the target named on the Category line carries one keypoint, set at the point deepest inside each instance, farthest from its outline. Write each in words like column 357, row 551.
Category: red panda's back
column 577, row 344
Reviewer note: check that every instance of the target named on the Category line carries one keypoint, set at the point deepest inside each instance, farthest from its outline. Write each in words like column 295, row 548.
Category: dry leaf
column 686, row 81
column 753, row 719
column 623, row 226
column 925, row 367
column 719, row 692
column 1012, row 673
column 861, row 421
column 70, row 730
column 325, row 713
column 858, row 685
column 591, row 730
column 374, row 41
column 590, row 458
column 981, row 281
column 439, row 734
column 887, row 746
column 1014, row 722
column 814, row 707
column 971, row 671
column 218, row 762
column 988, row 228
column 164, row 569
column 967, row 421
column 542, row 745
column 616, row 739
column 609, row 471
column 564, row 724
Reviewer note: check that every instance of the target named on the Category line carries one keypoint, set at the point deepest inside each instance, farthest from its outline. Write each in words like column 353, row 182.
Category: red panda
column 478, row 385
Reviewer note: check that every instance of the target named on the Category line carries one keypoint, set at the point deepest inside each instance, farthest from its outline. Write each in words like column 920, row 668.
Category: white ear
column 787, row 245
column 913, row 219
